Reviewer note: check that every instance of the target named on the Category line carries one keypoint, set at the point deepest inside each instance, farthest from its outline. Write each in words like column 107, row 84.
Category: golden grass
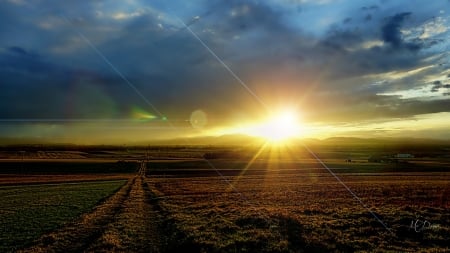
column 311, row 212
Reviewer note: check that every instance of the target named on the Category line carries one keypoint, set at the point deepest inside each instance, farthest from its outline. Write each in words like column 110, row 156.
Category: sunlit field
column 282, row 204
column 291, row 213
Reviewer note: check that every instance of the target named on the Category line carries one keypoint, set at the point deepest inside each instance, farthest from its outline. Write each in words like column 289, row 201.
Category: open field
column 57, row 167
column 125, row 222
column 287, row 201
column 40, row 195
column 236, row 200
column 311, row 212
column 14, row 179
column 26, row 212
column 56, row 171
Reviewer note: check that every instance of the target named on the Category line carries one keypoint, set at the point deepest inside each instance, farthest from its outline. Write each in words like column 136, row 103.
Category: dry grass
column 307, row 212
column 134, row 229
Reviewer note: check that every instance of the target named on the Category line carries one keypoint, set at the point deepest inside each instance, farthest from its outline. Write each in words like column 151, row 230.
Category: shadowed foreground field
column 28, row 211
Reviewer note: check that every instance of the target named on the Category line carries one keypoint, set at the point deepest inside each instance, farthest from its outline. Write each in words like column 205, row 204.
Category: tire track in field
column 135, row 228
column 125, row 222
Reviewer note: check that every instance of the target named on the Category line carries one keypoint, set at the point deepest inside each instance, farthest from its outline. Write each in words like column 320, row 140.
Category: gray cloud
column 370, row 8
column 437, row 85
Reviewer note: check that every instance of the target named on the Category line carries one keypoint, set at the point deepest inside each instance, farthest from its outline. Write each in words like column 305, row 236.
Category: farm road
column 125, row 222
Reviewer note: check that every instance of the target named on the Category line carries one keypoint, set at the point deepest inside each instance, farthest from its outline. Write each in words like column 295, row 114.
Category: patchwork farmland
column 205, row 199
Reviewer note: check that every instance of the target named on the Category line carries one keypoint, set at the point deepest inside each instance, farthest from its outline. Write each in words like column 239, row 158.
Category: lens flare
column 142, row 115
column 198, row 119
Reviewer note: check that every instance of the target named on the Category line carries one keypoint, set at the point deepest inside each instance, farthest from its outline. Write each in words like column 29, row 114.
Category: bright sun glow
column 279, row 127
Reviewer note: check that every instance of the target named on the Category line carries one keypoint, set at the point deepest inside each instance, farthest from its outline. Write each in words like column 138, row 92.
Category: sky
column 128, row 71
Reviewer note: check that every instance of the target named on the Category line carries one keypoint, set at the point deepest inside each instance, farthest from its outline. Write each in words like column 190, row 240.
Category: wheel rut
column 125, row 222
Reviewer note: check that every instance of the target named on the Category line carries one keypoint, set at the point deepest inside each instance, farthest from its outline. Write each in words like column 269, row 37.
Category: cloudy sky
column 124, row 71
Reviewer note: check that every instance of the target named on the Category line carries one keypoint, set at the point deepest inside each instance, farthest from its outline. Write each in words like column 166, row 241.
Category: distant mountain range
column 239, row 139
column 383, row 141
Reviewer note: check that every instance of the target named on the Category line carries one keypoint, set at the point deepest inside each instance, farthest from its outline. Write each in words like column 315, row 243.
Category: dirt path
column 126, row 222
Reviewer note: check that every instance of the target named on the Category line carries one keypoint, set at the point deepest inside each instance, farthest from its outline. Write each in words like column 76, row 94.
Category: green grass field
column 48, row 167
column 26, row 212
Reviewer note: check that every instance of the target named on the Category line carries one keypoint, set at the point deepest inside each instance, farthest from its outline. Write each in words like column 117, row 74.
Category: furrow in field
column 126, row 222
column 77, row 235
column 134, row 229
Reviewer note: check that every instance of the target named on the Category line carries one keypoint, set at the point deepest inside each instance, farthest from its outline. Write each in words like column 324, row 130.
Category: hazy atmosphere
column 129, row 71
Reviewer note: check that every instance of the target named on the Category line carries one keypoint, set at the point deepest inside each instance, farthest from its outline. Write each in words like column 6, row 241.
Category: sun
column 280, row 127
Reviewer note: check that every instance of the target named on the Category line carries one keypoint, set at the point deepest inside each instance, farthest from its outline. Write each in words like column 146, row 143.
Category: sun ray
column 249, row 164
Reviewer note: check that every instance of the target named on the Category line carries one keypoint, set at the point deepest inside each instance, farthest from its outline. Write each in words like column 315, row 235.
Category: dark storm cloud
column 45, row 61
column 344, row 59
column 27, row 90
column 241, row 16
column 374, row 107
column 18, row 50
column 34, row 87
column 391, row 32
column 413, row 107
column 20, row 60
column 344, row 56
column 347, row 20
column 169, row 67
column 367, row 12
column 199, row 76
